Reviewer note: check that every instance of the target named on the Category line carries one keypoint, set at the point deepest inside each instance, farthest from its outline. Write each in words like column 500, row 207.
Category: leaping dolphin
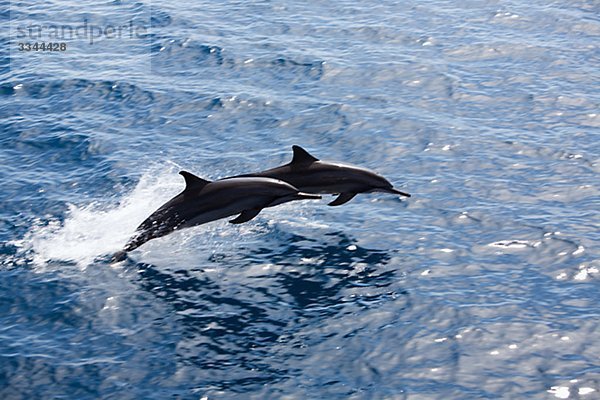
column 203, row 201
column 311, row 175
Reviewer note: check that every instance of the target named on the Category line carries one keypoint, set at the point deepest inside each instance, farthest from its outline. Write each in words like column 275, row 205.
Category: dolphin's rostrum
column 203, row 201
column 311, row 175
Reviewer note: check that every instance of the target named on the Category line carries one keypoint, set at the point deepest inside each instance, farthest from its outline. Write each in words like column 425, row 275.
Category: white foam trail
column 97, row 229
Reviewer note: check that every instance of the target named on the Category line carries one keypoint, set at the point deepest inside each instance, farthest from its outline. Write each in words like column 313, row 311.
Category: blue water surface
column 484, row 284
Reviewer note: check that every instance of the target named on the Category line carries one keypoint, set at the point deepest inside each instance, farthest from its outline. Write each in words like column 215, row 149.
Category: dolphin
column 203, row 201
column 311, row 175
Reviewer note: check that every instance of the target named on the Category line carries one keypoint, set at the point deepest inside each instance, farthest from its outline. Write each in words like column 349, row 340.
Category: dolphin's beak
column 394, row 191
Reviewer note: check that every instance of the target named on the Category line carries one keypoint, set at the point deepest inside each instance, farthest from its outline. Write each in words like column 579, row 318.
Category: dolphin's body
column 204, row 201
column 311, row 175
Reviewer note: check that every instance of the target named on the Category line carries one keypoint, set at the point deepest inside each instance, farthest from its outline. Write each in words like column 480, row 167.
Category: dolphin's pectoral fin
column 342, row 199
column 246, row 216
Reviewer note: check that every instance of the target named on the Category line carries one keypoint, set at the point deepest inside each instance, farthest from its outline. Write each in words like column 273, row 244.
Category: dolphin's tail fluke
column 122, row 255
column 119, row 256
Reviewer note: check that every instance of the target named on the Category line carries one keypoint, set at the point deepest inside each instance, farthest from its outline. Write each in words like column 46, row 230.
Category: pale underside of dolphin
column 203, row 201
column 311, row 175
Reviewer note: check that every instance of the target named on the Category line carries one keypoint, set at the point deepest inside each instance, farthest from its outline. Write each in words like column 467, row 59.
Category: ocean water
column 484, row 284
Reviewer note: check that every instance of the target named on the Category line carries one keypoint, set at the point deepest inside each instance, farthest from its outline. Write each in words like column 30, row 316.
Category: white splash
column 97, row 229
column 561, row 392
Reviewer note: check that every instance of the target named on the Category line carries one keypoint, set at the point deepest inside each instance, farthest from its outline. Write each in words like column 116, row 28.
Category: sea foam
column 98, row 229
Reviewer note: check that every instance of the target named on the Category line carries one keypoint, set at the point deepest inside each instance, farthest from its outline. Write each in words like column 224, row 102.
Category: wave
column 98, row 229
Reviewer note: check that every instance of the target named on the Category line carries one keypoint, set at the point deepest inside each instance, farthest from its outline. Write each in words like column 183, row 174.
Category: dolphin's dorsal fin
column 192, row 182
column 302, row 156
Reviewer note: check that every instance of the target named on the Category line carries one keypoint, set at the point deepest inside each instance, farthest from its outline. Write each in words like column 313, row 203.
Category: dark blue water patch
column 5, row 58
column 202, row 59
column 285, row 67
column 311, row 286
column 126, row 105
column 233, row 330
column 166, row 52
column 287, row 72
column 8, row 251
column 42, row 143
column 51, row 98
column 7, row 89
column 53, row 339
column 159, row 18
column 235, row 341
column 109, row 91
column 5, row 13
